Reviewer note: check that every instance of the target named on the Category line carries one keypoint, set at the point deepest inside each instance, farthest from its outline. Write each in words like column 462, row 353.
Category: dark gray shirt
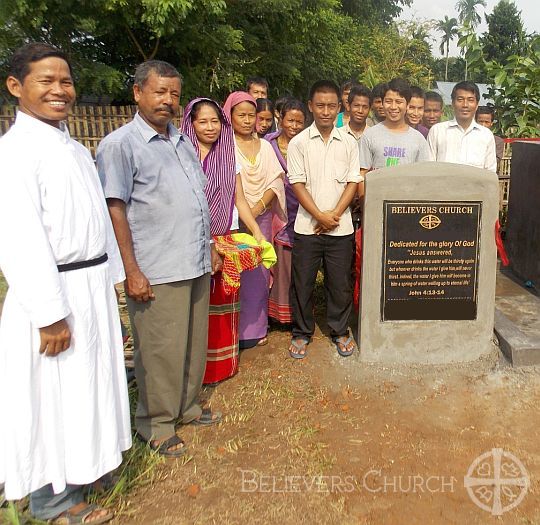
column 162, row 183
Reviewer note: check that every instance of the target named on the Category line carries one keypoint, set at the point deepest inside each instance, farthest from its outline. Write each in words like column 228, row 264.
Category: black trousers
column 335, row 253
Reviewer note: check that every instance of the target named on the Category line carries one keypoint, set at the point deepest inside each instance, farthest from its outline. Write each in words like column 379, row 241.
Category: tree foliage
column 456, row 68
column 470, row 18
column 449, row 28
column 514, row 87
column 217, row 44
column 468, row 13
column 374, row 12
column 505, row 35
column 402, row 50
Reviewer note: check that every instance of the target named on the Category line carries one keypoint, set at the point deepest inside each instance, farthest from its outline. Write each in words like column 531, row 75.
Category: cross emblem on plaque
column 430, row 222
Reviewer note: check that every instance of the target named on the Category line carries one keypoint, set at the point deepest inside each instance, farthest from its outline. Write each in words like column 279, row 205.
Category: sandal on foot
column 298, row 348
column 263, row 341
column 163, row 447
column 81, row 517
column 206, row 418
column 102, row 485
column 342, row 342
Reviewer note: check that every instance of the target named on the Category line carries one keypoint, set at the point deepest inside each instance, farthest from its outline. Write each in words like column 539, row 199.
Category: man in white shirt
column 63, row 392
column 324, row 172
column 462, row 140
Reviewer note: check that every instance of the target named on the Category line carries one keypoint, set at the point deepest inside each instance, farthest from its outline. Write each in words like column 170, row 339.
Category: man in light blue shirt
column 154, row 186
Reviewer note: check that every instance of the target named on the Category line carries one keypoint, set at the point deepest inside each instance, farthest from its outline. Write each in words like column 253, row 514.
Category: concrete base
column 517, row 322
column 426, row 341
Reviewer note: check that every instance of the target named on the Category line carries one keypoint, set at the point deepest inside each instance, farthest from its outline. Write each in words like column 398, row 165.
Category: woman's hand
column 259, row 237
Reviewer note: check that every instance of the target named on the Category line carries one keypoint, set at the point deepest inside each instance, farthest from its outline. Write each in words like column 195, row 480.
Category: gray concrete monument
column 428, row 264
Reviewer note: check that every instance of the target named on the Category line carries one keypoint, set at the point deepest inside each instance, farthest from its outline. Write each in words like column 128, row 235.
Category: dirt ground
column 332, row 440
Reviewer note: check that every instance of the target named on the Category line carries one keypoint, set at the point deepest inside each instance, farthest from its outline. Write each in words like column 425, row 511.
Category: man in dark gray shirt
column 154, row 186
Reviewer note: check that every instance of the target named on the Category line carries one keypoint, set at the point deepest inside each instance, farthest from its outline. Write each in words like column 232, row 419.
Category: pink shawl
column 234, row 99
column 264, row 174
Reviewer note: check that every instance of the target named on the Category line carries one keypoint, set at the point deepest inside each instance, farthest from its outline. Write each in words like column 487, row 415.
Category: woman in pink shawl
column 212, row 136
column 262, row 180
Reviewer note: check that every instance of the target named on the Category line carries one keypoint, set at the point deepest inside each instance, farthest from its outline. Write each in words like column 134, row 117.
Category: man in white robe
column 63, row 392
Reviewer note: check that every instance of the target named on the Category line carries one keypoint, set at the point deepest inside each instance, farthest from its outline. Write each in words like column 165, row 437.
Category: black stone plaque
column 430, row 260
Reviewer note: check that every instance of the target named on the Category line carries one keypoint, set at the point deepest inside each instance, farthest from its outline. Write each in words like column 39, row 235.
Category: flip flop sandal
column 263, row 341
column 207, row 418
column 341, row 345
column 102, row 485
column 78, row 518
column 299, row 346
column 163, row 448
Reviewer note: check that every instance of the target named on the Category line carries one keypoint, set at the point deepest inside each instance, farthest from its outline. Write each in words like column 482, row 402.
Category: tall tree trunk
column 446, row 69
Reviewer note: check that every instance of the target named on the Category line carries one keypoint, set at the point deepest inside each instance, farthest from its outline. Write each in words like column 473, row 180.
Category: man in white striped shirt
column 462, row 140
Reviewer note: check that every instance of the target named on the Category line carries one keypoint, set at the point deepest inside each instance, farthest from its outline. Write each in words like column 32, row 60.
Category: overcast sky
column 436, row 9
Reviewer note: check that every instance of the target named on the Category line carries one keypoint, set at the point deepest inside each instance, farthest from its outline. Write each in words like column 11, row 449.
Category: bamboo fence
column 89, row 124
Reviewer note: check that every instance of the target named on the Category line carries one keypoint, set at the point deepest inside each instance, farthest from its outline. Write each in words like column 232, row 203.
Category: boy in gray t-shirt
column 393, row 142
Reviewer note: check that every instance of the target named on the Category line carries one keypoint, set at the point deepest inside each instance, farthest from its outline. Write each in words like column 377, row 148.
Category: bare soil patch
column 332, row 440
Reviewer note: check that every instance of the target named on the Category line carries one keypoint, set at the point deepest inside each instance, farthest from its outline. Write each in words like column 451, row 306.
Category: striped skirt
column 279, row 304
column 222, row 358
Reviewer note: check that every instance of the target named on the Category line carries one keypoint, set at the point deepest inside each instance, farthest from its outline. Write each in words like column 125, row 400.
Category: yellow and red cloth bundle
column 241, row 252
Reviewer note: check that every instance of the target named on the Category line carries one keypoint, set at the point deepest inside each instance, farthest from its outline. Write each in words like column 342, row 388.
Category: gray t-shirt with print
column 382, row 148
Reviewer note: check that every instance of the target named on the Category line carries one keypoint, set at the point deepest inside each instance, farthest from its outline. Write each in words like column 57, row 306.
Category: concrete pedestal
column 421, row 302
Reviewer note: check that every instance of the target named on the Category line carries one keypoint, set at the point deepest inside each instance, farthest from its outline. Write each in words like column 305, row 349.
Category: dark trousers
column 170, row 336
column 335, row 253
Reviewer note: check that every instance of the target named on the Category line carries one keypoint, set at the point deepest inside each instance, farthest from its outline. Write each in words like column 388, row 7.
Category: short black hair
column 485, row 110
column 433, row 96
column 400, row 86
column 159, row 67
column 19, row 63
column 293, row 104
column 261, row 81
column 417, row 92
column 281, row 101
column 348, row 84
column 265, row 104
column 379, row 90
column 359, row 90
column 466, row 85
column 324, row 86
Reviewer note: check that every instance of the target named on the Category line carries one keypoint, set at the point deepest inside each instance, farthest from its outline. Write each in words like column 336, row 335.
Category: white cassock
column 63, row 419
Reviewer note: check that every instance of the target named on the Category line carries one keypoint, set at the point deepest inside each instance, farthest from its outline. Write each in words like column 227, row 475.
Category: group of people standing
column 156, row 215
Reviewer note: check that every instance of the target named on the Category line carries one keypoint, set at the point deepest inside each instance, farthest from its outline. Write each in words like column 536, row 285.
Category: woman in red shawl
column 212, row 136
